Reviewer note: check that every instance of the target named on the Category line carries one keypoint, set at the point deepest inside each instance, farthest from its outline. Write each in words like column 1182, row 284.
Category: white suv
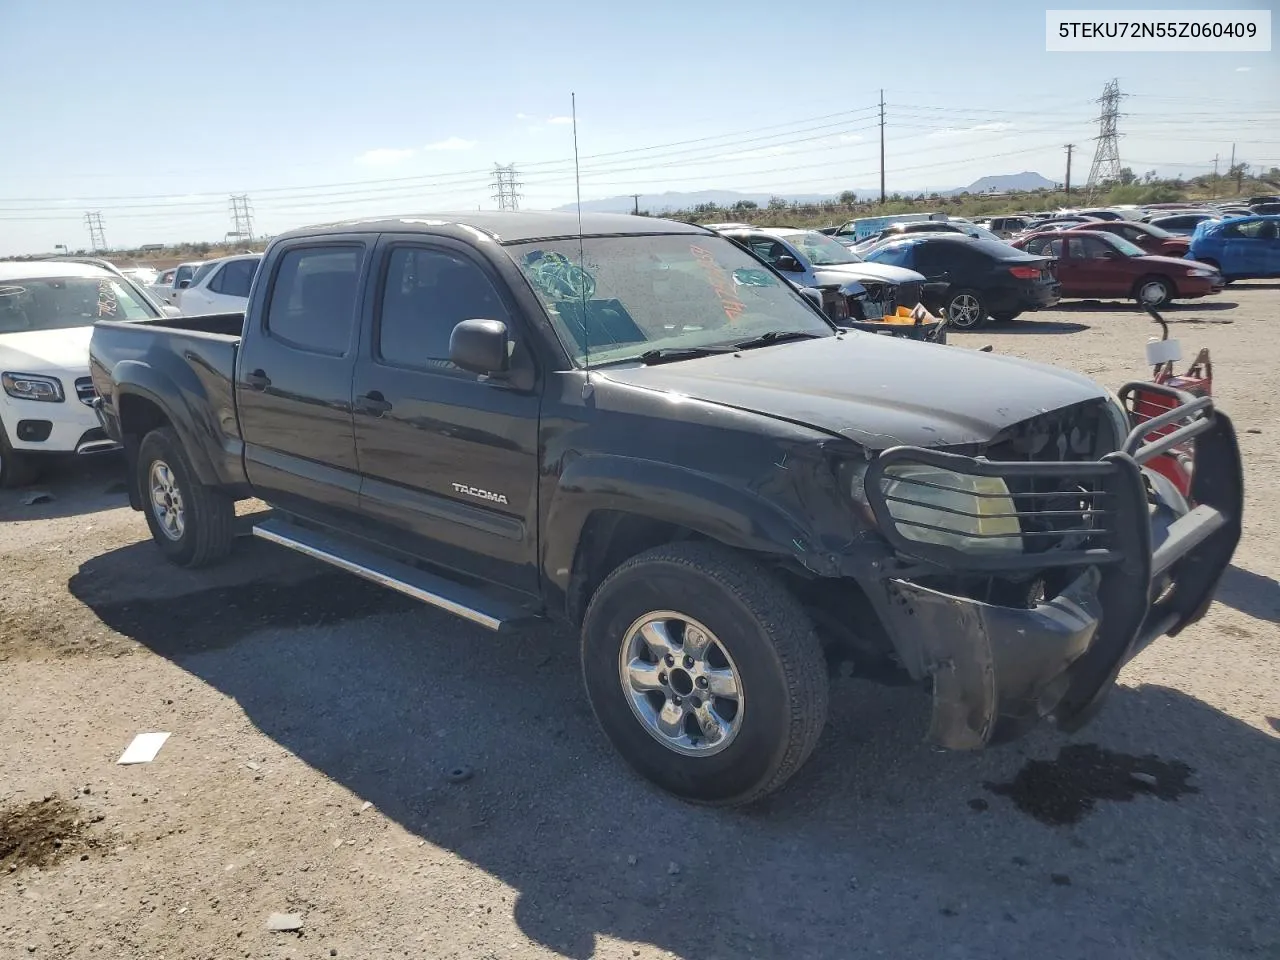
column 47, row 312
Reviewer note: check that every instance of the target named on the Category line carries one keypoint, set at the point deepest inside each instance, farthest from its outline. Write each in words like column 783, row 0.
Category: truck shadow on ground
column 1251, row 593
column 74, row 487
column 880, row 840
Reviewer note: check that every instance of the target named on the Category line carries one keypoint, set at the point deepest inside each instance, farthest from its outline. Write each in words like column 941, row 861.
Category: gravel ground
column 317, row 723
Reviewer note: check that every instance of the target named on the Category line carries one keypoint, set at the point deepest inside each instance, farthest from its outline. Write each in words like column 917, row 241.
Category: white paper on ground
column 144, row 748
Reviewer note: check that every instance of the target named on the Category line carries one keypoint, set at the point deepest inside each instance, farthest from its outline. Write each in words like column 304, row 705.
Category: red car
column 1153, row 240
column 1093, row 264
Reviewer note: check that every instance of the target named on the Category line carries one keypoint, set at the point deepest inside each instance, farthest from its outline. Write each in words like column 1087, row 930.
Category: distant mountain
column 676, row 200
column 658, row 203
column 1007, row 182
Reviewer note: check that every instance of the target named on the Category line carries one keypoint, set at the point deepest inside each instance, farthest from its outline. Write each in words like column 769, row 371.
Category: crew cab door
column 449, row 459
column 293, row 378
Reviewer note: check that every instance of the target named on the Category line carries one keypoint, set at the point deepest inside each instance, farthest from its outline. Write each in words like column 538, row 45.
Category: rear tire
column 16, row 469
column 738, row 707
column 965, row 309
column 190, row 522
column 1005, row 316
column 1154, row 292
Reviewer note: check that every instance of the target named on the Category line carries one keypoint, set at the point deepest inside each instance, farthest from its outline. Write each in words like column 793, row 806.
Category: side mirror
column 183, row 284
column 789, row 265
column 169, row 310
column 480, row 346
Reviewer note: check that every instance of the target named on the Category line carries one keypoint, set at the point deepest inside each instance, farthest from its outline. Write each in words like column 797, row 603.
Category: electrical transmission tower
column 506, row 186
column 97, row 237
column 242, row 218
column 1106, row 159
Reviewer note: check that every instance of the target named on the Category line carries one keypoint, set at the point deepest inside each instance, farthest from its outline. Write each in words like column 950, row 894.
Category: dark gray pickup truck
column 644, row 431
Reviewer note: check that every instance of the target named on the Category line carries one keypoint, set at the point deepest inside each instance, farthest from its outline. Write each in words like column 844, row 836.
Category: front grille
column 85, row 391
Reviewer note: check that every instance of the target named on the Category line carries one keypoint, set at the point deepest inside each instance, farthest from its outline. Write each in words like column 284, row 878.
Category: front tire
column 965, row 309
column 704, row 673
column 16, row 469
column 190, row 522
column 1153, row 292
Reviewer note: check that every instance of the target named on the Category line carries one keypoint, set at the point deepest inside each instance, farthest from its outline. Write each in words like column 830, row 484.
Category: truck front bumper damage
column 996, row 671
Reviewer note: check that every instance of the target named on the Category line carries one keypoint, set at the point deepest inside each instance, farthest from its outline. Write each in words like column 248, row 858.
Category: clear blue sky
column 155, row 112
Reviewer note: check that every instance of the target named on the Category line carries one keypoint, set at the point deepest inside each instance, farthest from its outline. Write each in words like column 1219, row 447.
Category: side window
column 767, row 248
column 931, row 259
column 425, row 295
column 216, row 283
column 235, row 278
column 894, row 256
column 1093, row 249
column 312, row 305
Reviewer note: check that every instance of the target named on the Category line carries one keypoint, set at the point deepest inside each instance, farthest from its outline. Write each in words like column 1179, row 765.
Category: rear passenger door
column 293, row 379
column 449, row 459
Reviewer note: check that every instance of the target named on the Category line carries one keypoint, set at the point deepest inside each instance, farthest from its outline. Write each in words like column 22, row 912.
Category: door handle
column 258, row 380
column 373, row 402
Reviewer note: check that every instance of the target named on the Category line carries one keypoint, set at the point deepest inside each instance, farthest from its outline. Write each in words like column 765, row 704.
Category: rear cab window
column 312, row 302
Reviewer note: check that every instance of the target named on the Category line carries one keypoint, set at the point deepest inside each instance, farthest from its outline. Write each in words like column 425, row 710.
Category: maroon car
column 1100, row 264
column 1153, row 240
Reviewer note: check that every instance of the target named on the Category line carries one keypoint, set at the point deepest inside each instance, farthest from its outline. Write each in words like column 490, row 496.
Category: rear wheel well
column 609, row 538
column 138, row 417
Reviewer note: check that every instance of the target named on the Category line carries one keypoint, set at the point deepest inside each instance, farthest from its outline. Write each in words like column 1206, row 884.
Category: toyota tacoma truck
column 641, row 429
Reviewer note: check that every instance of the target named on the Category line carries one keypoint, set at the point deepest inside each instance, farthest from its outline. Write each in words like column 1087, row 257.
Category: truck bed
column 191, row 360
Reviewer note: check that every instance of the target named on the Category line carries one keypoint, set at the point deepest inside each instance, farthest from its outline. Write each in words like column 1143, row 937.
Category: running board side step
column 430, row 588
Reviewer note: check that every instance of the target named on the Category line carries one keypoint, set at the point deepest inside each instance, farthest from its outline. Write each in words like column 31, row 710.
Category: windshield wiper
column 776, row 336
column 667, row 354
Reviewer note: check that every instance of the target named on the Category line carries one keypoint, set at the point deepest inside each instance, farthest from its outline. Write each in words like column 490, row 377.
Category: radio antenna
column 582, row 256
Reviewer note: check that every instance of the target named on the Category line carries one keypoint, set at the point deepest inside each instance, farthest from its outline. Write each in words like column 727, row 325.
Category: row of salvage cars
column 963, row 273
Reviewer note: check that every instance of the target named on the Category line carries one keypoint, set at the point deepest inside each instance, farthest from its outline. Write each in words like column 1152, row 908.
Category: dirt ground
column 317, row 723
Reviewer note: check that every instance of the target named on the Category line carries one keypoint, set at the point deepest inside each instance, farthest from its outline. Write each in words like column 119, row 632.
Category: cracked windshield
column 632, row 295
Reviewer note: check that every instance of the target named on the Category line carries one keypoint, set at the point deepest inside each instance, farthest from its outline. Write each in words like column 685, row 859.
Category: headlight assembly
column 28, row 386
column 969, row 513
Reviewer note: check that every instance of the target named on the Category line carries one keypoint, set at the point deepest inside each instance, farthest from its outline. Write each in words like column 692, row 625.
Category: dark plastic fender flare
column 138, row 379
column 670, row 493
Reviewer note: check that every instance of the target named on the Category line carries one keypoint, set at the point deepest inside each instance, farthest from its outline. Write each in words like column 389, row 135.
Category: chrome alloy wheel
column 166, row 500
column 682, row 685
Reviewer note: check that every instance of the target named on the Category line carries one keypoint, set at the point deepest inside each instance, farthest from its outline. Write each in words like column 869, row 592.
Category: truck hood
column 876, row 390
column 47, row 351
column 881, row 272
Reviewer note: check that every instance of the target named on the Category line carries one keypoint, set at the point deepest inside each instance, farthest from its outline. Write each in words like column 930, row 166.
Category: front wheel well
column 609, row 538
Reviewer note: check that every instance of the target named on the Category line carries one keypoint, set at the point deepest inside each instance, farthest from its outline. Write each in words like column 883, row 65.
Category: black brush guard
column 1146, row 569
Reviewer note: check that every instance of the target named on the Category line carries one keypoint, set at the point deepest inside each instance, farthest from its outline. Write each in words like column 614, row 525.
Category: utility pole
column 97, row 236
column 1067, row 182
column 1232, row 168
column 505, row 186
column 882, row 146
column 636, row 198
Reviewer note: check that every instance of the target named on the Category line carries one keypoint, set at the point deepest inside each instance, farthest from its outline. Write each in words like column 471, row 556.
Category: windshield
column 1127, row 247
column 821, row 250
column 55, row 303
column 632, row 295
